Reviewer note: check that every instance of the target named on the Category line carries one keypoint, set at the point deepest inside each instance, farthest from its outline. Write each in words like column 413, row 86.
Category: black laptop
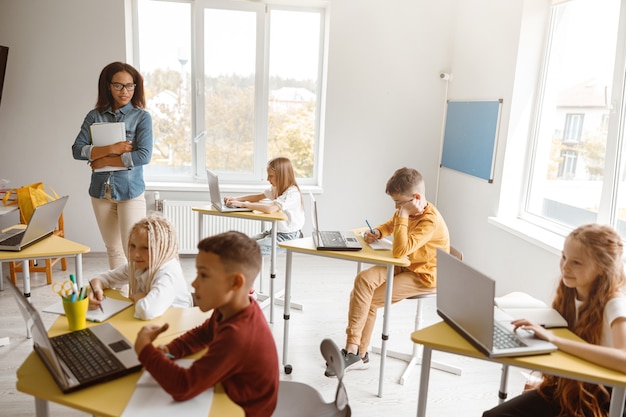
column 332, row 240
column 81, row 358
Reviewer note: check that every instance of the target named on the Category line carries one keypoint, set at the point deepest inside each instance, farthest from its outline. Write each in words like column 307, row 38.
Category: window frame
column 263, row 11
column 614, row 160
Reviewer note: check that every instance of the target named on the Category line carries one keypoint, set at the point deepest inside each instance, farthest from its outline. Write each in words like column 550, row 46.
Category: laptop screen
column 39, row 334
column 465, row 297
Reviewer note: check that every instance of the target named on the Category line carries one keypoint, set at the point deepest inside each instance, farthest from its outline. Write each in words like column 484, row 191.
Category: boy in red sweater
column 241, row 350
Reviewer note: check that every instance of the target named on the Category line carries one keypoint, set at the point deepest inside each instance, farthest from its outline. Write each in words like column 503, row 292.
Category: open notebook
column 110, row 307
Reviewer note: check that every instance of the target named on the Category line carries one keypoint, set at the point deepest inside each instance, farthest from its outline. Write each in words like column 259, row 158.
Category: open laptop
column 331, row 240
column 112, row 354
column 42, row 223
column 465, row 300
column 216, row 196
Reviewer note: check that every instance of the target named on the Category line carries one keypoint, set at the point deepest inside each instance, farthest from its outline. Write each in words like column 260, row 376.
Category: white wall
column 385, row 106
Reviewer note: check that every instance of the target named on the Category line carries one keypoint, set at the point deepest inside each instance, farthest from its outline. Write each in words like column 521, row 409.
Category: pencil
column 94, row 293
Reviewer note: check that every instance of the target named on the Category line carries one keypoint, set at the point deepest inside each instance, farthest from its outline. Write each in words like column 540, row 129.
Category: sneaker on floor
column 351, row 362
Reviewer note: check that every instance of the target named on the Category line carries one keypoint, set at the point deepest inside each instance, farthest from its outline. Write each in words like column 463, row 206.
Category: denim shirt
column 125, row 184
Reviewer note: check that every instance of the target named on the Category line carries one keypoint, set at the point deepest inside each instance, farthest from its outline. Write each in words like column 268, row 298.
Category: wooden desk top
column 252, row 215
column 366, row 255
column 110, row 398
column 50, row 247
column 442, row 337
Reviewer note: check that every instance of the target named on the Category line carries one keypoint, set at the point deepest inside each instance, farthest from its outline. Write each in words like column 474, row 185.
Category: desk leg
column 1, row 276
column 273, row 271
column 504, row 382
column 26, row 275
column 424, row 380
column 385, row 335
column 287, row 306
column 41, row 407
column 618, row 395
column 78, row 260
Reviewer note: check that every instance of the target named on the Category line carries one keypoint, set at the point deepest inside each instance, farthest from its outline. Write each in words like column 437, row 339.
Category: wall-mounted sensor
column 444, row 76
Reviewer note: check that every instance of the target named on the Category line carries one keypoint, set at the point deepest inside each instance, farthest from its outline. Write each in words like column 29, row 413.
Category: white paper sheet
column 150, row 400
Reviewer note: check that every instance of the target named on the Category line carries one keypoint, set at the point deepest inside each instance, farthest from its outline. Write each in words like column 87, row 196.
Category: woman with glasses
column 117, row 186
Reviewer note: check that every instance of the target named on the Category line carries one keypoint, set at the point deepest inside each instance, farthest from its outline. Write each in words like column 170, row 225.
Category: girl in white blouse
column 590, row 297
column 153, row 274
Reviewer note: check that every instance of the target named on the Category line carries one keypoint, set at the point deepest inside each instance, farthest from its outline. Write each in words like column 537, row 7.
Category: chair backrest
column 332, row 354
column 457, row 253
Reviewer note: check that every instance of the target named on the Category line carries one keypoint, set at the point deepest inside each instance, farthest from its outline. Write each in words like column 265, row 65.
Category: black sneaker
column 351, row 362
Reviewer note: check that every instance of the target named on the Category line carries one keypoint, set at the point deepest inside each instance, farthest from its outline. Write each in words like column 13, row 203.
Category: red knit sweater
column 241, row 355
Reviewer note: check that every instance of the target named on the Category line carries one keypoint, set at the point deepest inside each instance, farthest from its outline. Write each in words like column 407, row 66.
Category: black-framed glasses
column 119, row 86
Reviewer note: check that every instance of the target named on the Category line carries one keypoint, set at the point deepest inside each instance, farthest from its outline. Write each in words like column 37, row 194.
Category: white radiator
column 185, row 222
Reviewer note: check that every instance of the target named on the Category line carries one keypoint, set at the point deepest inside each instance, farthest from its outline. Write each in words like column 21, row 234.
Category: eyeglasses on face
column 119, row 86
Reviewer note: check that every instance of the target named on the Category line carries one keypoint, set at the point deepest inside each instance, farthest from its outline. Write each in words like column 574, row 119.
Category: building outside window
column 576, row 174
column 230, row 85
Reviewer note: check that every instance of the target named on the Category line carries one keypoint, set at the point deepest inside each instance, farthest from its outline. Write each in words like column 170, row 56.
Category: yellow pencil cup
column 76, row 313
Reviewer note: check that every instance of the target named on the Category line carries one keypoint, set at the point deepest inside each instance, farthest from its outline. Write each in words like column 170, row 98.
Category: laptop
column 331, row 240
column 42, row 224
column 465, row 300
column 216, row 196
column 111, row 354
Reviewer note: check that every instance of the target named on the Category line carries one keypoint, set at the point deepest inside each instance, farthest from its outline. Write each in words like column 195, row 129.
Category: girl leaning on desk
column 590, row 297
column 117, row 196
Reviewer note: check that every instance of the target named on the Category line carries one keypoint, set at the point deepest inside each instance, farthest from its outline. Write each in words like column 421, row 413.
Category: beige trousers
column 368, row 295
column 115, row 220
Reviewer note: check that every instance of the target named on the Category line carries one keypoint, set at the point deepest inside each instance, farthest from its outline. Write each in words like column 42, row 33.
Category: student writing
column 241, row 349
column 589, row 296
column 153, row 273
column 418, row 229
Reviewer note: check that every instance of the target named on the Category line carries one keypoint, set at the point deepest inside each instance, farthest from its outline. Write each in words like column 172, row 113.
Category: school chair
column 415, row 358
column 15, row 267
column 307, row 400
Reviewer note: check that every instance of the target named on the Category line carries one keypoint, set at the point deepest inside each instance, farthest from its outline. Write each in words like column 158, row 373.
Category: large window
column 231, row 84
column 576, row 175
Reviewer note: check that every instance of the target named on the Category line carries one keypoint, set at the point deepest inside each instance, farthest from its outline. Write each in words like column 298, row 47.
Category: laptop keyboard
column 503, row 339
column 12, row 240
column 334, row 239
column 85, row 355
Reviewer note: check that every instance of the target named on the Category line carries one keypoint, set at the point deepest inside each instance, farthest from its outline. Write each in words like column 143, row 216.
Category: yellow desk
column 110, row 398
column 444, row 338
column 250, row 215
column 50, row 247
column 365, row 255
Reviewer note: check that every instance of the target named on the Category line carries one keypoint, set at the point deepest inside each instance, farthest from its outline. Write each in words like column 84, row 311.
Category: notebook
column 465, row 300
column 110, row 307
column 111, row 355
column 42, row 223
column 104, row 134
column 216, row 196
column 331, row 240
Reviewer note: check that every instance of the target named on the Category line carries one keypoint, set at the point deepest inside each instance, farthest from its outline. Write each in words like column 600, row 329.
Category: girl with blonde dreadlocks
column 153, row 273
column 590, row 297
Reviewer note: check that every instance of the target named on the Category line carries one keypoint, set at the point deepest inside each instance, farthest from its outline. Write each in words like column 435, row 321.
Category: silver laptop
column 42, row 223
column 465, row 300
column 108, row 354
column 331, row 240
column 216, row 196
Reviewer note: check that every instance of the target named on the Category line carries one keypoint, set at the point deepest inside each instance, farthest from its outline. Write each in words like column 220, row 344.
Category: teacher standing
column 117, row 196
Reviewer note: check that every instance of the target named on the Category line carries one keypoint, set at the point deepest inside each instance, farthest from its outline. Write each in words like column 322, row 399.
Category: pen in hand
column 371, row 230
column 94, row 293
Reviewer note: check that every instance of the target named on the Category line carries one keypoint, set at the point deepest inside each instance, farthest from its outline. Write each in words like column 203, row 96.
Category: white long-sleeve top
column 290, row 203
column 169, row 288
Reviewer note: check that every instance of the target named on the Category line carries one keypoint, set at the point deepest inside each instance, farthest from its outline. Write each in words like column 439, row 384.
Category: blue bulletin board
column 469, row 141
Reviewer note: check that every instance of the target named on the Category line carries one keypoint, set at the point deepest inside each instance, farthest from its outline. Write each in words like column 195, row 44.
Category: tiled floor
column 322, row 285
